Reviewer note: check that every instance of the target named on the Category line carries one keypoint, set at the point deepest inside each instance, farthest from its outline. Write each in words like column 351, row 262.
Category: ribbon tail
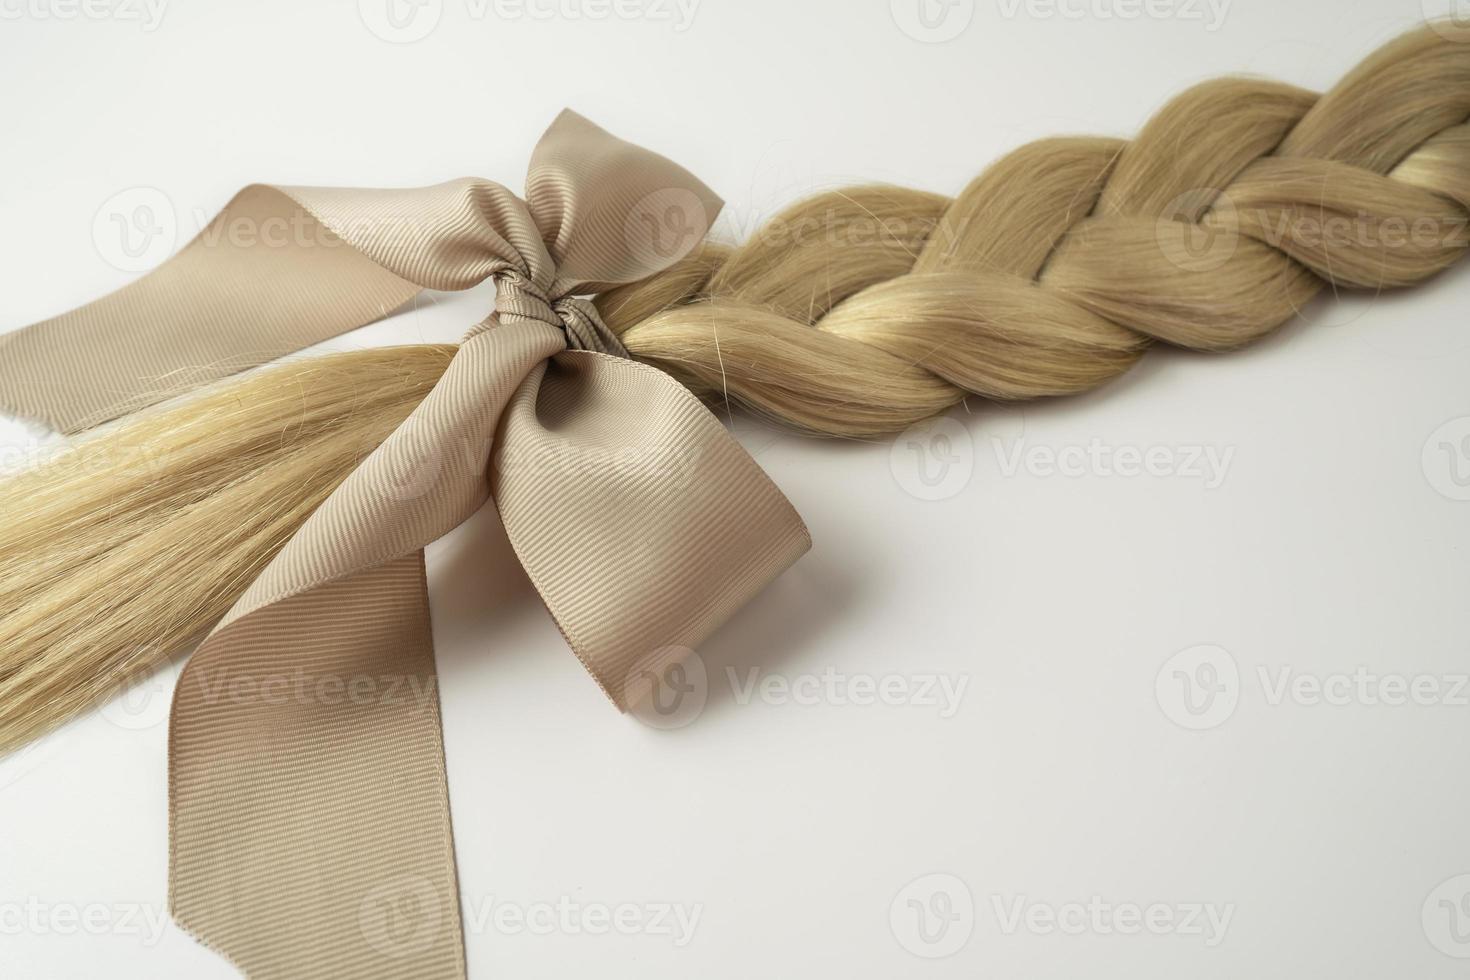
column 309, row 817
column 324, row 703
column 234, row 298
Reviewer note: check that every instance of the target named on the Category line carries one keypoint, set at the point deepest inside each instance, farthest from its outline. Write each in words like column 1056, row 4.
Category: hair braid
column 1054, row 270
column 854, row 313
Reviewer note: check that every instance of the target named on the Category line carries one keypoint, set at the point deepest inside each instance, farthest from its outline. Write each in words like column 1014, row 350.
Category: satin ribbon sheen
column 310, row 837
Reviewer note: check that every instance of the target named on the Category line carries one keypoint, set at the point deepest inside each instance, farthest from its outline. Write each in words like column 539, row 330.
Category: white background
column 1332, row 540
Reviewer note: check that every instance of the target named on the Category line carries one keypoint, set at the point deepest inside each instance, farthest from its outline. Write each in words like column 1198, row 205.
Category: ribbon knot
column 518, row 296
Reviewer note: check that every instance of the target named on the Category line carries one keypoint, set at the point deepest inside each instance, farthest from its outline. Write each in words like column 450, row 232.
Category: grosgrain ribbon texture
column 310, row 838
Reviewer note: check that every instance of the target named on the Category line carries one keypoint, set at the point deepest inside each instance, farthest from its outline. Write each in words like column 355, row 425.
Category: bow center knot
column 518, row 296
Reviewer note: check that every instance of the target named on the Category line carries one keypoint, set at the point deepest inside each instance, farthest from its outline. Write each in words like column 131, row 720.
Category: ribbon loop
column 664, row 525
column 606, row 216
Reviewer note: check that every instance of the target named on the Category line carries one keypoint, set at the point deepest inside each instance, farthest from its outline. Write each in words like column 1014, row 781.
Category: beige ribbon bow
column 311, row 837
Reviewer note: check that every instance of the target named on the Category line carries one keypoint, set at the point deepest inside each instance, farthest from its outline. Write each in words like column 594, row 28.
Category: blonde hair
column 855, row 313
